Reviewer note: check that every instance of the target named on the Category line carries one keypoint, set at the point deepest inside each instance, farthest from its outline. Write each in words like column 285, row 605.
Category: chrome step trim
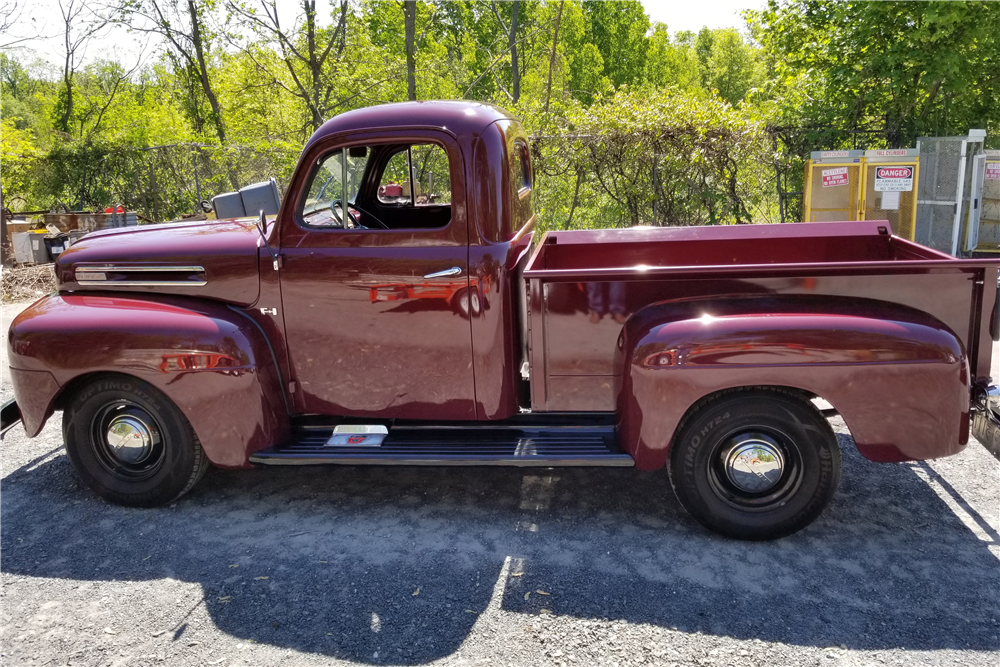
column 547, row 447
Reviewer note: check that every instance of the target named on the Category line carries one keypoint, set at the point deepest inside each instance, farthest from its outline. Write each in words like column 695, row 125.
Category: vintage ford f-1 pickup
column 395, row 311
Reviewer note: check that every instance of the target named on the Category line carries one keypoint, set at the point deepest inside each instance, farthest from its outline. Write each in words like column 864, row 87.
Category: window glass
column 431, row 173
column 425, row 165
column 337, row 177
column 520, row 176
column 381, row 186
column 394, row 186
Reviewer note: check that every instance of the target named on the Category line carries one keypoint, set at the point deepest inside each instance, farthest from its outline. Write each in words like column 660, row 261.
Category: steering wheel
column 370, row 217
column 339, row 218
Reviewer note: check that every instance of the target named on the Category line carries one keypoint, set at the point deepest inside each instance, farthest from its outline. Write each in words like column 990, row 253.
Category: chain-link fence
column 161, row 183
column 682, row 176
column 989, row 230
column 945, row 193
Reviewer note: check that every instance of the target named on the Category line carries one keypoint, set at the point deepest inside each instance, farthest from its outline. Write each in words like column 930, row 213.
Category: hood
column 214, row 259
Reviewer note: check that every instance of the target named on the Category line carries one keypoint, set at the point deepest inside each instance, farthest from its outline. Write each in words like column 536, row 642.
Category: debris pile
column 27, row 282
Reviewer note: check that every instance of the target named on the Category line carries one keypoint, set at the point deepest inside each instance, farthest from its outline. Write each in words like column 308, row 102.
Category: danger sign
column 832, row 177
column 893, row 179
column 993, row 171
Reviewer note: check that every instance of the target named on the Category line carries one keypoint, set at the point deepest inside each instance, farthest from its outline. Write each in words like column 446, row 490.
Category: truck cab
column 438, row 213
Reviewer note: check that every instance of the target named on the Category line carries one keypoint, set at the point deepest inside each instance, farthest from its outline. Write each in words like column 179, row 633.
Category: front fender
column 899, row 377
column 211, row 361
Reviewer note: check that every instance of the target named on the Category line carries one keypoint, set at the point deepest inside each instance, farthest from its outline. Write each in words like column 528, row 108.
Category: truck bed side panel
column 579, row 351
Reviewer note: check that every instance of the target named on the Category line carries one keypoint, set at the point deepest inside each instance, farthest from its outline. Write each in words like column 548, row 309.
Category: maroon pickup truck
column 396, row 311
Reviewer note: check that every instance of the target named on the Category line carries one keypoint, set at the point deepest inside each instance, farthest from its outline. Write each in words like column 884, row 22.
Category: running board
column 545, row 447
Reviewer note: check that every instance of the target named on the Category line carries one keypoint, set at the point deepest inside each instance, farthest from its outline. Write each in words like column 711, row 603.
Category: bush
column 659, row 157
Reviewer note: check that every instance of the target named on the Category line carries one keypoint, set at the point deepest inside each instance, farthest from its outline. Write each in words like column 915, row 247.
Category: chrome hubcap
column 754, row 463
column 129, row 439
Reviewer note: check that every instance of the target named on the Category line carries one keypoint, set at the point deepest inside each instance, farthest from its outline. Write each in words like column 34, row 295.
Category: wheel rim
column 474, row 302
column 127, row 440
column 756, row 469
column 754, row 464
column 463, row 303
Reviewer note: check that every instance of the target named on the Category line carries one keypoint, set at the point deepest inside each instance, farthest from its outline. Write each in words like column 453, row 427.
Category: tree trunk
column 552, row 57
column 576, row 197
column 410, row 19
column 68, row 111
column 315, row 64
column 68, row 81
column 5, row 249
column 203, row 73
column 515, row 69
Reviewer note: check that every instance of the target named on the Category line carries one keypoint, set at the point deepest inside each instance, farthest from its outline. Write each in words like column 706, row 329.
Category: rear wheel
column 130, row 443
column 755, row 465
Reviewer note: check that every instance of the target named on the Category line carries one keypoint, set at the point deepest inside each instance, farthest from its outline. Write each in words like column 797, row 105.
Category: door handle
column 453, row 271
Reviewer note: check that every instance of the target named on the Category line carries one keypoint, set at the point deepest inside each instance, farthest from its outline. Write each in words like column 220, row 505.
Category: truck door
column 375, row 293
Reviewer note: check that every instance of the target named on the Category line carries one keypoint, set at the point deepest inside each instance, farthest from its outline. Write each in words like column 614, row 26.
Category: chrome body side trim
column 142, row 283
column 96, row 275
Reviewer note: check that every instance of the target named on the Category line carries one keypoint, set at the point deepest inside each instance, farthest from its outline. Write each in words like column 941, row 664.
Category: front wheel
column 755, row 465
column 130, row 443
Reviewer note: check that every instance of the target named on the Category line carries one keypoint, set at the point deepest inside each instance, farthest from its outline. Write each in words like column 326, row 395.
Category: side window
column 432, row 175
column 417, row 175
column 388, row 186
column 394, row 186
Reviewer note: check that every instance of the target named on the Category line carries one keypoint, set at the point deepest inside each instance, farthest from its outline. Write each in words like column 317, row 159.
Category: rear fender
column 213, row 362
column 899, row 377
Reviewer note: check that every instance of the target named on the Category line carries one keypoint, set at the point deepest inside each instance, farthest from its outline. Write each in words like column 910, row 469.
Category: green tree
column 733, row 68
column 310, row 53
column 671, row 62
column 912, row 68
column 79, row 25
column 618, row 31
column 184, row 27
column 586, row 78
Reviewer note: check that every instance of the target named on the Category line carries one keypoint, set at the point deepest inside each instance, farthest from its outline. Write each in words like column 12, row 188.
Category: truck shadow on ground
column 330, row 560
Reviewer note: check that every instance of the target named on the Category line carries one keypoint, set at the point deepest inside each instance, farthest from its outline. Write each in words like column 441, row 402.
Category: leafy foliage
column 914, row 68
column 666, row 158
column 631, row 123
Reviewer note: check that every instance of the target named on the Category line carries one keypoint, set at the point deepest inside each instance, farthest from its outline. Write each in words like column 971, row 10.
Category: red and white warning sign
column 832, row 177
column 993, row 171
column 894, row 179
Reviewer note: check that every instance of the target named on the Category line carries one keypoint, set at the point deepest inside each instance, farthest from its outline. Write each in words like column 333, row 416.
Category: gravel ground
column 331, row 566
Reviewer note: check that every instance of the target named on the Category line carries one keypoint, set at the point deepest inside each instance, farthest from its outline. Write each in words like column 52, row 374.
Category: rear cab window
column 520, row 184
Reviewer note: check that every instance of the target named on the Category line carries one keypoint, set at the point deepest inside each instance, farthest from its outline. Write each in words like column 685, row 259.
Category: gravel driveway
column 464, row 566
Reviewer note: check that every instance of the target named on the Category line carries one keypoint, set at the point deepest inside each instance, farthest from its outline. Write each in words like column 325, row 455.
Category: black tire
column 755, row 464
column 163, row 463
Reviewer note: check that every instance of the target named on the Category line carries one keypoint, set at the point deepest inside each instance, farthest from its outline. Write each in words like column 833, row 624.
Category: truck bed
column 583, row 284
